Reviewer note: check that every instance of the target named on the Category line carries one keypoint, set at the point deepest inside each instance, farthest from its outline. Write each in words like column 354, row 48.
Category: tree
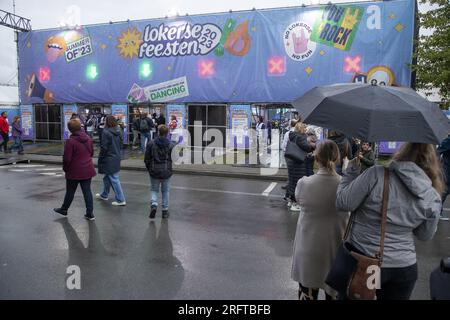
column 433, row 50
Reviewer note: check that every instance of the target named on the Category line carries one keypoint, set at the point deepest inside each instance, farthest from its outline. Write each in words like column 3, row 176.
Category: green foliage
column 433, row 50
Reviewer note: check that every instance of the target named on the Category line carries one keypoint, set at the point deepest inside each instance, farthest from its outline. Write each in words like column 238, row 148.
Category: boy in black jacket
column 158, row 160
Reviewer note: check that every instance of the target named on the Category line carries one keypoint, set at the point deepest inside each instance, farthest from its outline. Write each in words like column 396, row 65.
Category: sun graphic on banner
column 129, row 43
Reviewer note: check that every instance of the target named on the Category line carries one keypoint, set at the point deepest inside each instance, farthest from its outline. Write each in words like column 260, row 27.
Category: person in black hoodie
column 158, row 160
column 297, row 169
column 345, row 148
column 109, row 161
column 160, row 120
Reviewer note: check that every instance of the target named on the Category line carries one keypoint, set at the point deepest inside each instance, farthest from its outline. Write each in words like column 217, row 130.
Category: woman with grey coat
column 414, row 205
column 320, row 226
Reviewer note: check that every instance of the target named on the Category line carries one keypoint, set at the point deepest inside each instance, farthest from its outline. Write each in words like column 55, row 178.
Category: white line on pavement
column 218, row 191
column 205, row 190
column 269, row 189
column 18, row 170
column 48, row 173
column 29, row 165
column 49, row 169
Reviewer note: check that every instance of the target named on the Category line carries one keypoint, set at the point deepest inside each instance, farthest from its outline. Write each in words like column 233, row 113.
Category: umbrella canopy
column 374, row 113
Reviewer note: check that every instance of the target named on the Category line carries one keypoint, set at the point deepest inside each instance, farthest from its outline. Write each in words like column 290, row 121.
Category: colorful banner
column 337, row 26
column 257, row 56
column 27, row 122
column 68, row 110
column 240, row 123
column 179, row 135
column 120, row 111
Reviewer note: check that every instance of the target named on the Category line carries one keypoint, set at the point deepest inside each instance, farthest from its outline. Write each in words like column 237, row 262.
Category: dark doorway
column 48, row 121
column 212, row 116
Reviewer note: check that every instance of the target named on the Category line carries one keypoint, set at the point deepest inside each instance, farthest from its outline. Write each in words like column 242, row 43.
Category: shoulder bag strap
column 349, row 225
column 384, row 206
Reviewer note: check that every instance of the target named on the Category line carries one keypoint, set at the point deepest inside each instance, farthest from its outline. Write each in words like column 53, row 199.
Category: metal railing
column 14, row 21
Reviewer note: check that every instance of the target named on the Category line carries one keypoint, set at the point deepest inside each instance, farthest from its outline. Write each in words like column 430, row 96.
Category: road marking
column 29, row 165
column 203, row 190
column 219, row 191
column 269, row 189
column 49, row 169
column 48, row 173
column 18, row 170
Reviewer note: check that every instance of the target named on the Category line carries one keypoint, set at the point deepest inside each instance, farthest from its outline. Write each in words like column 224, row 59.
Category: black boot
column 61, row 211
column 153, row 212
column 165, row 214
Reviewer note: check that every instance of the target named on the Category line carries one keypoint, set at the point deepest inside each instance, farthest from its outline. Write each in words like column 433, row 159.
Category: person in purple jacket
column 79, row 168
column 17, row 135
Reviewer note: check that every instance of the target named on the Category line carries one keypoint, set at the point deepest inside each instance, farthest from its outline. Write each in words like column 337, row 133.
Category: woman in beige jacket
column 320, row 226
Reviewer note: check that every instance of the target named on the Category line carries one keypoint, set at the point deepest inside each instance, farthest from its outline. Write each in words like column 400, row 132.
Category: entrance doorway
column 212, row 116
column 277, row 118
column 48, row 121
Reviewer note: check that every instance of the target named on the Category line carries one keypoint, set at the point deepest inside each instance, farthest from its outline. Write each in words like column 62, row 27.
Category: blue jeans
column 112, row 180
column 17, row 144
column 145, row 136
column 165, row 189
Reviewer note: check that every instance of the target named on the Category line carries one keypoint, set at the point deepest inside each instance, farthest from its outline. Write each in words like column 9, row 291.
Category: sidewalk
column 51, row 153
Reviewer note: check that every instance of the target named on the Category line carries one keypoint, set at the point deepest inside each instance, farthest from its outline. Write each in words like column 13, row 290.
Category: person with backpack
column 158, row 160
column 145, row 126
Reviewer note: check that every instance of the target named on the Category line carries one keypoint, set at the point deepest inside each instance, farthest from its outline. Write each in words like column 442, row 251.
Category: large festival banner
column 27, row 120
column 120, row 111
column 239, row 124
column 68, row 110
column 255, row 56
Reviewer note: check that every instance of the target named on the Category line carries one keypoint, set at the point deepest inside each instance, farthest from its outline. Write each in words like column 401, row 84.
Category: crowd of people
column 79, row 167
column 337, row 181
column 348, row 181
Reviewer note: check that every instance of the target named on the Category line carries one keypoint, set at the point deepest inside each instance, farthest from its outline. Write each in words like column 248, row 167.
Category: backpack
column 144, row 125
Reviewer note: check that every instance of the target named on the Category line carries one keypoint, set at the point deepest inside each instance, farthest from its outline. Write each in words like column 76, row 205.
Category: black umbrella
column 374, row 113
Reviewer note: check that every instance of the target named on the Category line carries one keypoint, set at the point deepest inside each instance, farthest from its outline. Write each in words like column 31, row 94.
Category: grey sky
column 49, row 13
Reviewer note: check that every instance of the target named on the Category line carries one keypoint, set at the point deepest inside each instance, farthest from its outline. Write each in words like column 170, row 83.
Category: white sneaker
column 115, row 203
column 296, row 207
column 99, row 196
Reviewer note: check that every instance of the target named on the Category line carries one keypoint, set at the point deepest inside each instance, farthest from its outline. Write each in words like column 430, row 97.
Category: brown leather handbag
column 349, row 272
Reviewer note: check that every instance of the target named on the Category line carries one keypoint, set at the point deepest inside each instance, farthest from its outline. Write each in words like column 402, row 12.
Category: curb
column 209, row 173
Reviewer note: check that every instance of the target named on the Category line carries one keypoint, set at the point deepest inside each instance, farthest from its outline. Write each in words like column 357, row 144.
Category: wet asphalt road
column 225, row 239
